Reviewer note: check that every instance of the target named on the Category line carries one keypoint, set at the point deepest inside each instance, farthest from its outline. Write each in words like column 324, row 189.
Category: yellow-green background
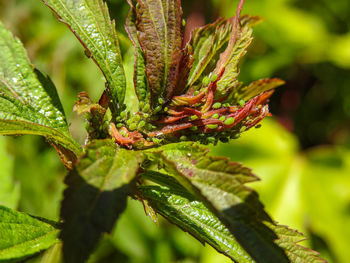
column 305, row 171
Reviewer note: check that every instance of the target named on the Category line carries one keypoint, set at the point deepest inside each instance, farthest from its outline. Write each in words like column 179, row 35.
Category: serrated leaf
column 220, row 185
column 159, row 26
column 140, row 77
column 207, row 43
column 240, row 39
column 29, row 103
column 23, row 235
column 257, row 87
column 180, row 207
column 96, row 196
column 90, row 22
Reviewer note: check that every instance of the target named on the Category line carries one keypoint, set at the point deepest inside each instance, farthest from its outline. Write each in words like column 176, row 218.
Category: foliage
column 131, row 153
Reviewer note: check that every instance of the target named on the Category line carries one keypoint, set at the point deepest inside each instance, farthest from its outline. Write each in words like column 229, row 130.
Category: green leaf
column 140, row 77
column 220, row 185
column 180, row 207
column 240, row 39
column 90, row 22
column 207, row 43
column 159, row 31
column 257, row 87
column 9, row 190
column 23, row 235
column 29, row 103
column 96, row 196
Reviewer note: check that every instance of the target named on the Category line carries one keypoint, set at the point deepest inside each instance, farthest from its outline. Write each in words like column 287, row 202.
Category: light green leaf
column 90, row 22
column 175, row 203
column 29, row 103
column 9, row 190
column 23, row 235
column 240, row 39
column 96, row 196
column 207, row 43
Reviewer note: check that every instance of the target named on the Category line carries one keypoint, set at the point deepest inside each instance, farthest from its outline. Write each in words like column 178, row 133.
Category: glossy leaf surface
column 180, row 207
column 90, row 22
column 29, row 103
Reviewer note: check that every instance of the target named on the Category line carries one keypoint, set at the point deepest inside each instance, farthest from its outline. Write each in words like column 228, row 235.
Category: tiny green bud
column 145, row 115
column 160, row 101
column 157, row 109
column 243, row 129
column 194, row 128
column 226, row 105
column 119, row 125
column 222, row 118
column 142, row 104
column 213, row 77
column 129, row 121
column 166, row 109
column 215, row 116
column 211, row 139
column 229, row 121
column 133, row 126
column 149, row 126
column 183, row 22
column 206, row 81
column 216, row 105
column 194, row 117
column 136, row 118
column 147, row 107
column 195, row 93
column 241, row 103
column 212, row 126
column 141, row 124
column 183, row 138
column 123, row 114
column 156, row 140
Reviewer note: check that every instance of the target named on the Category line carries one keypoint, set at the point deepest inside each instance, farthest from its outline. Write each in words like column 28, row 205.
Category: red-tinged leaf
column 207, row 43
column 258, row 87
column 140, row 78
column 159, row 26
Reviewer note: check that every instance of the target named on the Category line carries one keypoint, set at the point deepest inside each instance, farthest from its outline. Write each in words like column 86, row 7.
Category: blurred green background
column 302, row 154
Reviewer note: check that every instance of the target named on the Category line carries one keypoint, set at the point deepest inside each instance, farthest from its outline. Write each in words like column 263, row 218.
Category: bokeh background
column 302, row 154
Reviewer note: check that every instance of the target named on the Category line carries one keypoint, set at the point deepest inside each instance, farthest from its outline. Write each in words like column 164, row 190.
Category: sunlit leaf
column 90, row 22
column 23, row 235
column 159, row 31
column 29, row 103
column 96, row 196
column 220, row 184
column 175, row 203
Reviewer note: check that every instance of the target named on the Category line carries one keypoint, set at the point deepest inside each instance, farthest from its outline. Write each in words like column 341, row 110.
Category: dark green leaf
column 23, row 235
column 28, row 102
column 180, row 207
column 159, row 26
column 96, row 196
column 89, row 20
column 220, row 185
